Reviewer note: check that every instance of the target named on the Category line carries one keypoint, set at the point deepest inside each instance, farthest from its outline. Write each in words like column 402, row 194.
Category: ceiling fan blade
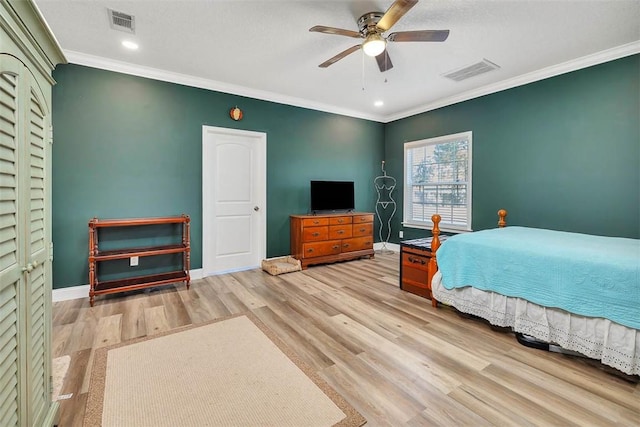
column 339, row 56
column 336, row 31
column 419, row 36
column 384, row 62
column 394, row 13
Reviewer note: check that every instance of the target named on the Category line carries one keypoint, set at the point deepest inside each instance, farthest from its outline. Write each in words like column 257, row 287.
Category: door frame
column 209, row 134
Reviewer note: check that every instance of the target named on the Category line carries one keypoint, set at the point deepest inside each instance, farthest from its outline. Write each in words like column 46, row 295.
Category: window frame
column 407, row 187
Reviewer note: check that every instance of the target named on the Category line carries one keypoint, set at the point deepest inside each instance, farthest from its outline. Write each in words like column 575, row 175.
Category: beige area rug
column 231, row 372
column 59, row 369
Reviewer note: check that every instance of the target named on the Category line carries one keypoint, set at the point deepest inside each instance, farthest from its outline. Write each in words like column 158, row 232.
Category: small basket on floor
column 286, row 264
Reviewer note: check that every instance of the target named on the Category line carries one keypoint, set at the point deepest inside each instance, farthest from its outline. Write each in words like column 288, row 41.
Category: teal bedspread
column 593, row 276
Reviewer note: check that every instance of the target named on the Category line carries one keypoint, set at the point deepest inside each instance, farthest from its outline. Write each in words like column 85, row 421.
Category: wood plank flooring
column 396, row 359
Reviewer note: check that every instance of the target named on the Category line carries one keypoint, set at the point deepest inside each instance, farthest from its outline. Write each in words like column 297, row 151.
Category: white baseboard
column 389, row 246
column 196, row 274
column 82, row 291
column 72, row 292
column 232, row 270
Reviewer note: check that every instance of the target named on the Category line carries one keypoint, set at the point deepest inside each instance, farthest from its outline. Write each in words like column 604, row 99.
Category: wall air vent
column 467, row 72
column 121, row 21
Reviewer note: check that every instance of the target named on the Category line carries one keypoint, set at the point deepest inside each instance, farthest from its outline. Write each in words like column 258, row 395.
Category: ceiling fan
column 372, row 25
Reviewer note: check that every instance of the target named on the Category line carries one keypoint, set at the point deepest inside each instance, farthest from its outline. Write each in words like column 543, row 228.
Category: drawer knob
column 310, row 250
column 417, row 260
column 340, row 231
column 346, row 245
column 362, row 230
column 316, row 234
column 336, row 247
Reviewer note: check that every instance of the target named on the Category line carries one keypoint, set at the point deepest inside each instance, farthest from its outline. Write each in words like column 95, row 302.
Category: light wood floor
column 389, row 353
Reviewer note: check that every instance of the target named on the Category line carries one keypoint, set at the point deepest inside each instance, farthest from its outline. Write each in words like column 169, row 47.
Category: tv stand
column 326, row 238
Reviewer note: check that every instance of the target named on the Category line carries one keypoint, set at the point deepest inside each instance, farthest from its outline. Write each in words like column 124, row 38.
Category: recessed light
column 378, row 103
column 130, row 45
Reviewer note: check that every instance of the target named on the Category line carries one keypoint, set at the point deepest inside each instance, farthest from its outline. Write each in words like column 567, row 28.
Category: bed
column 580, row 292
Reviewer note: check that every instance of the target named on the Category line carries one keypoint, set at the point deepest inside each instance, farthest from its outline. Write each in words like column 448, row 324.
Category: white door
column 233, row 199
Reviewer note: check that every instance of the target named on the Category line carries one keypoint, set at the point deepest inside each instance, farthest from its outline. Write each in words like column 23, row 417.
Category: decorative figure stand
column 384, row 186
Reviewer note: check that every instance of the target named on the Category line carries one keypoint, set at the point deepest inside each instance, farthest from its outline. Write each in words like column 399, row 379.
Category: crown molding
column 183, row 79
column 545, row 73
column 102, row 63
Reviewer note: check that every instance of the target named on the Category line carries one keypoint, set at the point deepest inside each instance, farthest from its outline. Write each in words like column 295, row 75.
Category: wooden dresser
column 319, row 239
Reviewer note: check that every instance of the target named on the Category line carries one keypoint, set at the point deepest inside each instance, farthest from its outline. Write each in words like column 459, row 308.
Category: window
column 437, row 180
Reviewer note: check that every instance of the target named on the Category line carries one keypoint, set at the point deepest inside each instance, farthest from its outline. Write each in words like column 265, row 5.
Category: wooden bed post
column 502, row 214
column 432, row 267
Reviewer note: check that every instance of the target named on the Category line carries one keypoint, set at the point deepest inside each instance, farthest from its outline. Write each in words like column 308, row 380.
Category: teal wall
column 131, row 147
column 562, row 153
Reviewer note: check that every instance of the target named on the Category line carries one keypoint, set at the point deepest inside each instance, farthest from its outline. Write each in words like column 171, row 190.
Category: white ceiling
column 263, row 49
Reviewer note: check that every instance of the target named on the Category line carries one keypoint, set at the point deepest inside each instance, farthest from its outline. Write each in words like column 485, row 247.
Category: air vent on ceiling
column 121, row 21
column 481, row 67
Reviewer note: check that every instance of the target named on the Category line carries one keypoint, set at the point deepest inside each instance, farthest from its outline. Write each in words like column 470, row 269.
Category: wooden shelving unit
column 96, row 255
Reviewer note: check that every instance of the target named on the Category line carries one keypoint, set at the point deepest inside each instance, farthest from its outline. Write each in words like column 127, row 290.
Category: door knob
column 28, row 268
column 256, row 208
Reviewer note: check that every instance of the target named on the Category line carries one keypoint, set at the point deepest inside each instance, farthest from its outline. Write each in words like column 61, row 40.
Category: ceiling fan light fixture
column 374, row 44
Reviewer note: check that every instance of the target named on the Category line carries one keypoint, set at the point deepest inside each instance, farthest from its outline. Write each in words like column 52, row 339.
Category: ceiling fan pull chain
column 386, row 65
column 362, row 70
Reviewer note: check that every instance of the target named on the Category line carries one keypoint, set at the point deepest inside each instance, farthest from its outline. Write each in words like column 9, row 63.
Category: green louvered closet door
column 28, row 54
column 25, row 267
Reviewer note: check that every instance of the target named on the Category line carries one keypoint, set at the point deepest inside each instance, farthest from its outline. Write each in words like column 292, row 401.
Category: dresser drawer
column 359, row 219
column 314, row 222
column 340, row 231
column 330, row 247
column 339, row 220
column 314, row 234
column 357, row 244
column 365, row 229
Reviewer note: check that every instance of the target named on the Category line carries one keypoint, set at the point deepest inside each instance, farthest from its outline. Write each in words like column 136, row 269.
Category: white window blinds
column 438, row 181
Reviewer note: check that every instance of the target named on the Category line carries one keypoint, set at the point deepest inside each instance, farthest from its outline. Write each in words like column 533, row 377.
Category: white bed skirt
column 613, row 344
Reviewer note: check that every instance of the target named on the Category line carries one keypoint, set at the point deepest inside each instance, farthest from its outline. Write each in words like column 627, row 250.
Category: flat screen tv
column 332, row 196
